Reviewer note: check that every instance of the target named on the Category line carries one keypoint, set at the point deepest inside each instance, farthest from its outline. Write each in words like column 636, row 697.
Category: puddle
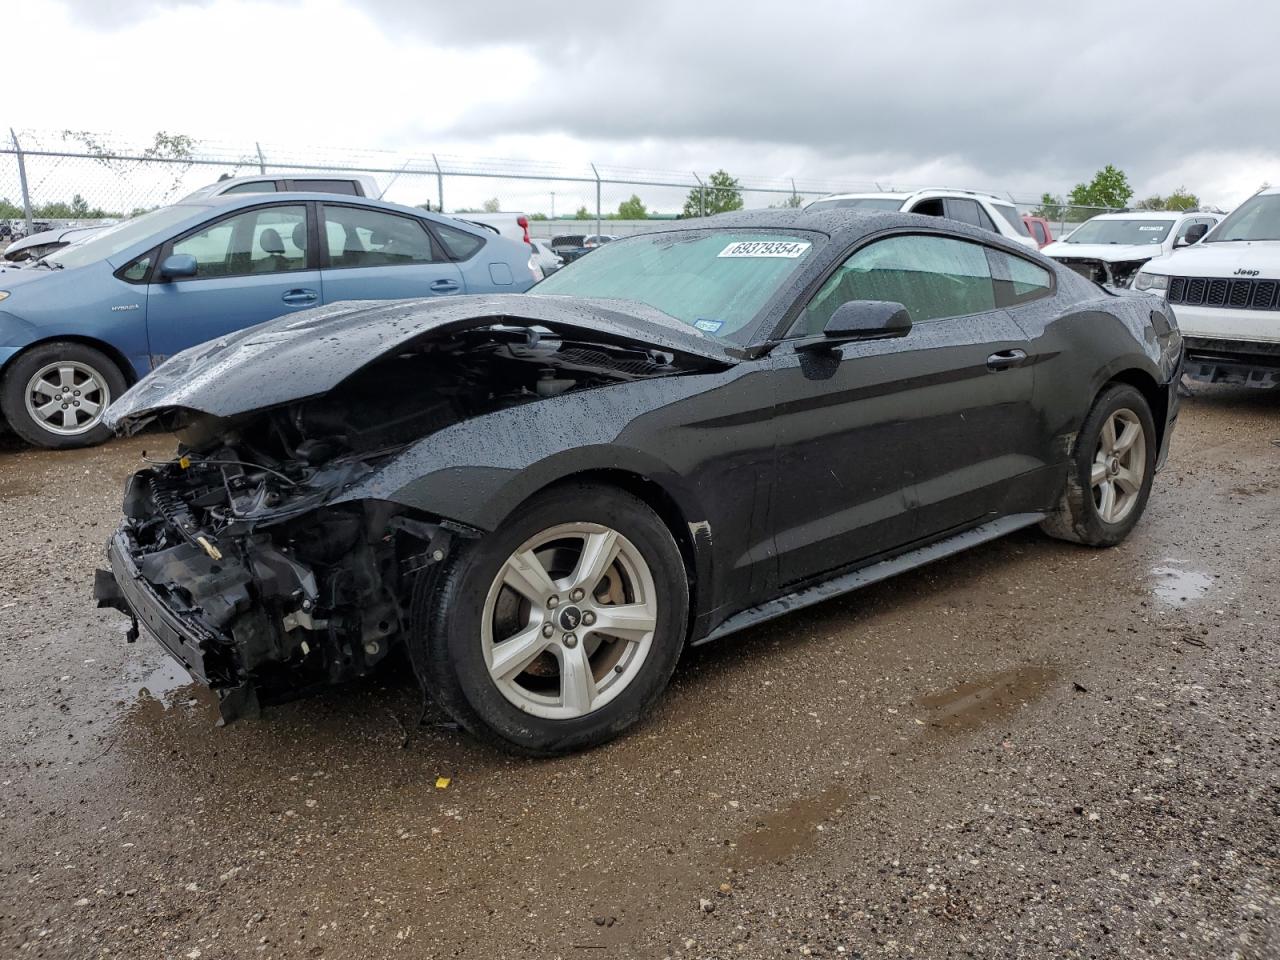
column 167, row 684
column 1178, row 587
column 789, row 831
column 967, row 706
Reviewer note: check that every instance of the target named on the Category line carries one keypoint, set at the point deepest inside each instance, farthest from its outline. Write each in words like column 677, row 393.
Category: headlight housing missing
column 1151, row 281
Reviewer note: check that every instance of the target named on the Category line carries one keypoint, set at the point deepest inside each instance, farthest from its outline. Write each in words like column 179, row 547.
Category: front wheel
column 55, row 394
column 560, row 629
column 1112, row 469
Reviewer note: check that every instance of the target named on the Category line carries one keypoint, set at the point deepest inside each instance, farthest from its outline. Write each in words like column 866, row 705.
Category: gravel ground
column 1030, row 750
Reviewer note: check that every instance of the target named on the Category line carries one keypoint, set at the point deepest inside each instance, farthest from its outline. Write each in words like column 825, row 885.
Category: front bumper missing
column 1239, row 362
column 185, row 639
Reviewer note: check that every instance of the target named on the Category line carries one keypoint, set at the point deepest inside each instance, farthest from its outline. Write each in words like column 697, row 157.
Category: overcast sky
column 1010, row 96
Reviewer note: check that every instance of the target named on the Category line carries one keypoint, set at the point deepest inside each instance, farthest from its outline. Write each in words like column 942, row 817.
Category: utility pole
column 597, row 176
column 553, row 204
column 262, row 163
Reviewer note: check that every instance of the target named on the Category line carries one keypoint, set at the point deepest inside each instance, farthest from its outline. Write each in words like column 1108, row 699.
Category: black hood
column 307, row 354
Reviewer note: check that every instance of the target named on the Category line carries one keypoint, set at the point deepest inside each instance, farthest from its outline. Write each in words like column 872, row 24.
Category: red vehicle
column 1039, row 229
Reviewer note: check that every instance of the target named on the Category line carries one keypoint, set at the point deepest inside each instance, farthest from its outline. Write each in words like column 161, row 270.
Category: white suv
column 1112, row 247
column 978, row 209
column 1225, row 291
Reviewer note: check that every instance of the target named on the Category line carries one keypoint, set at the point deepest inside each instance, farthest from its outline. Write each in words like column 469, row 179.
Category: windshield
column 716, row 281
column 114, row 240
column 1099, row 230
column 1258, row 218
column 858, row 203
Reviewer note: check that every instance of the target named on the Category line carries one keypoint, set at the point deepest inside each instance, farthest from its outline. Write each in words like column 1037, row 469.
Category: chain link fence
column 50, row 179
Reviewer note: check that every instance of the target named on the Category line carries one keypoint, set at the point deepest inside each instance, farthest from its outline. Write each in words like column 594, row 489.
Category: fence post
column 439, row 184
column 262, row 163
column 702, row 194
column 22, row 179
column 596, row 173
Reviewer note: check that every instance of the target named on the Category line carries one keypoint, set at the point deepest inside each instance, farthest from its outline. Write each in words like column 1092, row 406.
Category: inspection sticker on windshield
column 788, row 249
column 1161, row 227
column 708, row 326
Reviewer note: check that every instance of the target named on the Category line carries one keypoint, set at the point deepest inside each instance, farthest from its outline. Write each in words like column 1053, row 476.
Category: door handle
column 445, row 286
column 300, row 296
column 1006, row 359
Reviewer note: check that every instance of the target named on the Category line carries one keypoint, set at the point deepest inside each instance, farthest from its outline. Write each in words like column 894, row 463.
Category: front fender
column 479, row 470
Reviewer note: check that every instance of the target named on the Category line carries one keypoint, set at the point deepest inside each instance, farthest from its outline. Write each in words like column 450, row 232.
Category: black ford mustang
column 542, row 498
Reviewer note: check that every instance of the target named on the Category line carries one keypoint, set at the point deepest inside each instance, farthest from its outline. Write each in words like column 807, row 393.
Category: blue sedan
column 81, row 325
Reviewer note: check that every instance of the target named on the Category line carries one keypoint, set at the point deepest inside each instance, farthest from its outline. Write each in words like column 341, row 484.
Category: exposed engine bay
column 231, row 554
column 1112, row 274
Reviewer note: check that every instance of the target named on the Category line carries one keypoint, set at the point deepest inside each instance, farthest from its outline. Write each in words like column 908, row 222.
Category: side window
column 932, row 277
column 985, row 221
column 136, row 272
column 347, row 187
column 459, row 243
column 1018, row 280
column 964, row 210
column 358, row 237
column 1038, row 228
column 929, row 208
column 254, row 186
column 263, row 240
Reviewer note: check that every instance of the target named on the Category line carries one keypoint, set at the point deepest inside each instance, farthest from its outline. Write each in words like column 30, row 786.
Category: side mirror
column 862, row 320
column 177, row 266
column 1194, row 234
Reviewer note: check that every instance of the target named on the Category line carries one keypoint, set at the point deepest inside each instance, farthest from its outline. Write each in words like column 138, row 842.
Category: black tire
column 1076, row 517
column 26, row 365
column 447, row 610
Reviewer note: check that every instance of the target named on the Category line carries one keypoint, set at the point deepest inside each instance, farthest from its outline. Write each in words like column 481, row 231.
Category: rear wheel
column 54, row 395
column 559, row 630
column 1111, row 473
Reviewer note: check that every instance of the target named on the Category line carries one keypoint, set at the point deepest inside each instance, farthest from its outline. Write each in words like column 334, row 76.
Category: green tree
column 721, row 194
column 492, row 205
column 1181, row 199
column 1108, row 188
column 10, row 210
column 582, row 214
column 1051, row 207
column 1153, row 202
column 792, row 202
column 632, row 209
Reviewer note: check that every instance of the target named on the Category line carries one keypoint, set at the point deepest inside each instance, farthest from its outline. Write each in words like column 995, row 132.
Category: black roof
column 841, row 224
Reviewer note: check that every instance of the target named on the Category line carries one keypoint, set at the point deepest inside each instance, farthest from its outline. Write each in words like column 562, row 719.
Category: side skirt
column 874, row 573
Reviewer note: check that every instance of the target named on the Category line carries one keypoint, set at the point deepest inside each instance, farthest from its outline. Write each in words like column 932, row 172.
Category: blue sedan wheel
column 55, row 394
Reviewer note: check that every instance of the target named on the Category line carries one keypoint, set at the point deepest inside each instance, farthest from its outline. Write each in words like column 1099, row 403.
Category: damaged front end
column 245, row 560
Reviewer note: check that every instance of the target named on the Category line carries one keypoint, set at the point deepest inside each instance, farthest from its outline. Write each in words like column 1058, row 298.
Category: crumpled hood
column 1222, row 260
column 306, row 354
column 1108, row 252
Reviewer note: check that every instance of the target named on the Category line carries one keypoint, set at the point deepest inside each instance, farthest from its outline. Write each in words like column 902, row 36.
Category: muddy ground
column 1031, row 750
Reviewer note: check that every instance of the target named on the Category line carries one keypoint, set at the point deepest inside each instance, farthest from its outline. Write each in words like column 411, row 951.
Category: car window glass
column 1040, row 235
column 326, row 186
column 1017, row 280
column 985, row 221
column 263, row 240
column 257, row 186
column 358, row 237
column 964, row 210
column 459, row 243
column 137, row 271
column 1014, row 219
column 932, row 277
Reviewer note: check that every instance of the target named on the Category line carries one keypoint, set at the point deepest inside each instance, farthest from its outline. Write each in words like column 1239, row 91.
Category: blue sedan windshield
column 714, row 280
column 122, row 236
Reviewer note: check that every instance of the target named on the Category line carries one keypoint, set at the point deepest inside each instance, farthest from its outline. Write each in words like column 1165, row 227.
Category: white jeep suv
column 1225, row 291
column 978, row 209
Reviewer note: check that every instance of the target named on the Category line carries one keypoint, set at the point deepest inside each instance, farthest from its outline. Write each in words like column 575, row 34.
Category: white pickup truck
column 1225, row 292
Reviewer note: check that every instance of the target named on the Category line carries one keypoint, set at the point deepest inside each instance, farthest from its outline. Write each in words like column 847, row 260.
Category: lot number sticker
column 788, row 249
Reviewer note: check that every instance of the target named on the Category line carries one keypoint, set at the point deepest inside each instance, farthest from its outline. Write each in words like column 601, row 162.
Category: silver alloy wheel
column 67, row 397
column 569, row 620
column 1119, row 465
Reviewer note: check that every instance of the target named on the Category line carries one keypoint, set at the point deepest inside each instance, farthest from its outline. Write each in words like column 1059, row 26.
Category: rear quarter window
column 459, row 243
